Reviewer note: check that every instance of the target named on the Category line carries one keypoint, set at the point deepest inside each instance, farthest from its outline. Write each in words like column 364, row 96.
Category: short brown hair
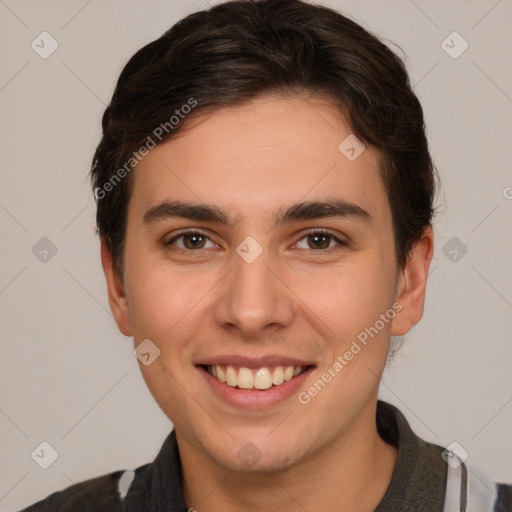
column 239, row 50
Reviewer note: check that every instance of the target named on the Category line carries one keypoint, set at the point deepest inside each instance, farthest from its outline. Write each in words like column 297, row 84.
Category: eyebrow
column 294, row 213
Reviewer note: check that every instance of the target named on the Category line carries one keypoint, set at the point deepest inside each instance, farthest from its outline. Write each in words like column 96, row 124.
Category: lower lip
column 256, row 399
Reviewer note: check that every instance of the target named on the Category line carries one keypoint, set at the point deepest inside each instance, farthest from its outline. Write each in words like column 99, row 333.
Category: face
column 254, row 245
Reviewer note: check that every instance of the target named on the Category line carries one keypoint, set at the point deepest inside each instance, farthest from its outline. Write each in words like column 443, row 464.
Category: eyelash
column 318, row 231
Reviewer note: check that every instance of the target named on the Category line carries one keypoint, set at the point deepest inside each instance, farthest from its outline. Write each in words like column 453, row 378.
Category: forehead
column 257, row 157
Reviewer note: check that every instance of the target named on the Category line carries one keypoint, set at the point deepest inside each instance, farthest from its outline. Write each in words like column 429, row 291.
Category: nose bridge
column 253, row 297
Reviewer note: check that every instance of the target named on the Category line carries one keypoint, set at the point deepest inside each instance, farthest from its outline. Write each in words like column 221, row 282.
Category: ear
column 116, row 294
column 412, row 284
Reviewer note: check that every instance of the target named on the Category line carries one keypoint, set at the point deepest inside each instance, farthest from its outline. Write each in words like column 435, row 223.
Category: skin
column 295, row 299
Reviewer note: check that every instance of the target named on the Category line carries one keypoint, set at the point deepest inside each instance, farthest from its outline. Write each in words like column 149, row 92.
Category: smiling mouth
column 267, row 377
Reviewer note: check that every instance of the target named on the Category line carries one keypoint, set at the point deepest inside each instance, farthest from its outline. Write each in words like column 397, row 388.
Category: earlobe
column 412, row 284
column 116, row 293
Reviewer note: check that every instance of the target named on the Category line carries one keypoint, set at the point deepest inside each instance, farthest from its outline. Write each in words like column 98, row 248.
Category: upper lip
column 253, row 362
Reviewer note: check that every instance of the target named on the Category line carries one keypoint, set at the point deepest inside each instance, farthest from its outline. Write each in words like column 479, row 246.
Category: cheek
column 348, row 298
column 165, row 307
column 163, row 302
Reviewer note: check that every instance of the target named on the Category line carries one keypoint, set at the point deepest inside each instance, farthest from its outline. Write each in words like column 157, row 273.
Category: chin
column 253, row 455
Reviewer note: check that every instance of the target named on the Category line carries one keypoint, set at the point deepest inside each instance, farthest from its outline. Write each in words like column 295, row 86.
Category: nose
column 254, row 298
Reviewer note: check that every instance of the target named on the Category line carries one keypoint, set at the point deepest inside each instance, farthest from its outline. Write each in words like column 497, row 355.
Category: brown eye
column 191, row 240
column 321, row 240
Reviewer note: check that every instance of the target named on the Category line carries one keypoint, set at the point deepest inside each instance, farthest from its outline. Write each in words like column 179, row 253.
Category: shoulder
column 123, row 490
column 504, row 498
column 430, row 477
column 100, row 494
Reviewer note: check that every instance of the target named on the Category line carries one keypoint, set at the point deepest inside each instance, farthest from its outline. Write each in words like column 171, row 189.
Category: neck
column 351, row 473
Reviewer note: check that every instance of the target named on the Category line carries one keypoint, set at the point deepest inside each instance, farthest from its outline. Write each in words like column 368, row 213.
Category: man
column 265, row 199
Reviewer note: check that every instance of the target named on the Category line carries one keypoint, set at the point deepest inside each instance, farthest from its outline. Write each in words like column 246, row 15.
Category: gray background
column 69, row 378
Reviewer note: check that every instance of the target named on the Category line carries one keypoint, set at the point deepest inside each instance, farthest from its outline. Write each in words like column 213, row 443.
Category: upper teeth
column 261, row 378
